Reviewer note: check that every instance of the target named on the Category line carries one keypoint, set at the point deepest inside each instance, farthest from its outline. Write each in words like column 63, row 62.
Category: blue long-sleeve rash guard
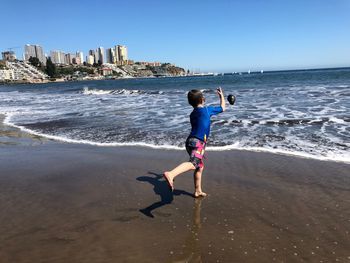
column 200, row 121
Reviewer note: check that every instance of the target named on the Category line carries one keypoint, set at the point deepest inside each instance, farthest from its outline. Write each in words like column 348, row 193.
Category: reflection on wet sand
column 191, row 251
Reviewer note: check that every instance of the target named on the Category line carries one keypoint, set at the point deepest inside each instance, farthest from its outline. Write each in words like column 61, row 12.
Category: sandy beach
column 65, row 202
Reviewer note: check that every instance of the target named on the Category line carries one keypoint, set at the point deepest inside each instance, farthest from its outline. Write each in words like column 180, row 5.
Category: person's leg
column 198, row 183
column 181, row 168
column 195, row 149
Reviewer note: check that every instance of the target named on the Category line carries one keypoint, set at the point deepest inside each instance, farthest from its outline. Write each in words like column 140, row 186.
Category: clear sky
column 200, row 35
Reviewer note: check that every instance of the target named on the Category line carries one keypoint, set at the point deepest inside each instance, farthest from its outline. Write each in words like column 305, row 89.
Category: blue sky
column 200, row 35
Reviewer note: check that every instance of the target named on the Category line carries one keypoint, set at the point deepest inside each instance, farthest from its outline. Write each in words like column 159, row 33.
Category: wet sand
column 78, row 203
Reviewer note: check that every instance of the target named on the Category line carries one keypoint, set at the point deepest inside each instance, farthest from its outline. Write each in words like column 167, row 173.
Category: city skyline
column 116, row 55
column 209, row 36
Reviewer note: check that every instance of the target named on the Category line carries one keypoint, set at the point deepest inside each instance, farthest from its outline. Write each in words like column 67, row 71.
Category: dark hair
column 195, row 97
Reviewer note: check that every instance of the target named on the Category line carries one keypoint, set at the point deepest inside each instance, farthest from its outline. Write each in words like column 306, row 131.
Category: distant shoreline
column 311, row 69
column 288, row 70
column 87, row 80
column 185, row 76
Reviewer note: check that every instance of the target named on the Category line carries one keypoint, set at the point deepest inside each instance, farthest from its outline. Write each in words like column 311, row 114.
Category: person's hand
column 220, row 92
column 222, row 99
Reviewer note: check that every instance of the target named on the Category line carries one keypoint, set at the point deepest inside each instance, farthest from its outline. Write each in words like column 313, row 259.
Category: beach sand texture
column 78, row 203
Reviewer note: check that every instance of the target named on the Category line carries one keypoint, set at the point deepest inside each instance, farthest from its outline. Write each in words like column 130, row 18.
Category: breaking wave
column 279, row 113
column 88, row 91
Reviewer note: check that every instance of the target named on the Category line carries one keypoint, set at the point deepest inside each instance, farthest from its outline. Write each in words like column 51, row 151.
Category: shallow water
column 299, row 112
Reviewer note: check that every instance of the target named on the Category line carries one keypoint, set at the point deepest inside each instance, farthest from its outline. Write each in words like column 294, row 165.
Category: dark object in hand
column 231, row 99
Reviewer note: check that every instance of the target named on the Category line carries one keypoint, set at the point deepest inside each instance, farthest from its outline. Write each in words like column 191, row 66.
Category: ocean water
column 303, row 113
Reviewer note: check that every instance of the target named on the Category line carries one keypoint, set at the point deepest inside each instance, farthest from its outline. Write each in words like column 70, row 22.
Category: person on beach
column 196, row 141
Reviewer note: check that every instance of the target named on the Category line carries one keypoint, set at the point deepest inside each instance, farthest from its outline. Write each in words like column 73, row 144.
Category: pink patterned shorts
column 195, row 149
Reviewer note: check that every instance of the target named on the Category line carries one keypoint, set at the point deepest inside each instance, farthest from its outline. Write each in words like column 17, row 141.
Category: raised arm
column 222, row 99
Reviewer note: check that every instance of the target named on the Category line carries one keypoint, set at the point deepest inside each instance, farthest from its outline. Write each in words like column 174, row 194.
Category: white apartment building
column 57, row 57
column 101, row 55
column 90, row 59
column 34, row 51
column 23, row 71
column 110, row 56
column 29, row 51
column 123, row 53
column 116, row 54
column 6, row 74
column 40, row 54
column 69, row 58
column 80, row 55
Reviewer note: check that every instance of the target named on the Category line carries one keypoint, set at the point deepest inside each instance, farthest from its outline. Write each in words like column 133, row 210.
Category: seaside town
column 59, row 66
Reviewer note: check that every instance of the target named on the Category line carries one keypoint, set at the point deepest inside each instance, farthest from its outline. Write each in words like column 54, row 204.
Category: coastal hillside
column 23, row 72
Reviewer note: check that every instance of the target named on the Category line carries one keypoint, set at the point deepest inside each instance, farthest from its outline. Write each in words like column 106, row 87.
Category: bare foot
column 169, row 180
column 199, row 194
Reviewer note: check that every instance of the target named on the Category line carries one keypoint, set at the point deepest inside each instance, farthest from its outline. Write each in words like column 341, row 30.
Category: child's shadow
column 161, row 188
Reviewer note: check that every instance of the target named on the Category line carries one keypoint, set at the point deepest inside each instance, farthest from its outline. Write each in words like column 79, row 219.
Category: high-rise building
column 123, row 53
column 80, row 55
column 9, row 56
column 58, row 57
column 69, row 58
column 34, row 51
column 76, row 60
column 29, row 51
column 101, row 55
column 63, row 58
column 90, row 59
column 116, row 54
column 110, row 57
column 113, row 58
column 93, row 54
column 55, row 56
column 40, row 54
column 96, row 58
